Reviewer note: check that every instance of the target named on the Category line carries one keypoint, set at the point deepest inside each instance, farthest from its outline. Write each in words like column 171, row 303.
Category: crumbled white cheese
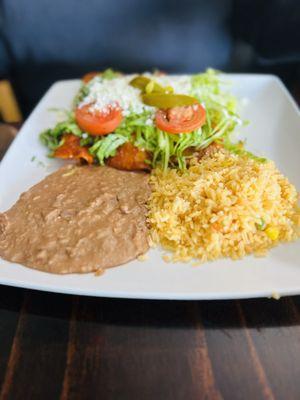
column 149, row 121
column 180, row 83
column 114, row 93
column 106, row 94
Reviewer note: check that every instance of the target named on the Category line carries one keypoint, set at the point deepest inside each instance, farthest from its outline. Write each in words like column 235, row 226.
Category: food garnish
column 165, row 101
column 146, row 84
column 98, row 123
column 166, row 116
column 180, row 119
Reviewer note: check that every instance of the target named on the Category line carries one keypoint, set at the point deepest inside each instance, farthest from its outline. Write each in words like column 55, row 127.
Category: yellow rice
column 223, row 206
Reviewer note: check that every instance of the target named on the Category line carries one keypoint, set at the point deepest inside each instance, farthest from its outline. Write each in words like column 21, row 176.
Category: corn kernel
column 143, row 257
column 272, row 233
column 166, row 258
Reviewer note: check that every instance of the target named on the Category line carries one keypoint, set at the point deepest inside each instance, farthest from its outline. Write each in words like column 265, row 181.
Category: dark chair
column 46, row 40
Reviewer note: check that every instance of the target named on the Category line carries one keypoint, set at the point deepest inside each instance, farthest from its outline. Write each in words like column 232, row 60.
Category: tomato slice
column 180, row 119
column 98, row 123
column 89, row 76
column 71, row 149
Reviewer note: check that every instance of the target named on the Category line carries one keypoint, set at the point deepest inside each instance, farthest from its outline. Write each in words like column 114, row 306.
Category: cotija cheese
column 105, row 94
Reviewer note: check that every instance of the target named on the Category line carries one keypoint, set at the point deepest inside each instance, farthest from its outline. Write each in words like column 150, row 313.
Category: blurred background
column 42, row 41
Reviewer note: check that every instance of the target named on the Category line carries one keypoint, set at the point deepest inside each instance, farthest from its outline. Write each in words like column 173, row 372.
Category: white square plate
column 274, row 131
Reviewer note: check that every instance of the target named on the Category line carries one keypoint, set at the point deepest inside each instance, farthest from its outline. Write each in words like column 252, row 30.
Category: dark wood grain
column 37, row 356
column 277, row 343
column 68, row 347
column 10, row 304
column 233, row 355
column 125, row 348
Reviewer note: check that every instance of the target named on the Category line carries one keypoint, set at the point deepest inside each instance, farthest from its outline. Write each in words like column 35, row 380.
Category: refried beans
column 78, row 219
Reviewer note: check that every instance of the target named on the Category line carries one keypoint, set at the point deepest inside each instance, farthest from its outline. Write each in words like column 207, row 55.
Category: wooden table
column 68, row 347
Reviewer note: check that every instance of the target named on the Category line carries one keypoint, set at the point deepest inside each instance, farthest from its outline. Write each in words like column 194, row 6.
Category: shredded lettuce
column 109, row 74
column 106, row 147
column 220, row 105
column 52, row 137
column 81, row 94
column 166, row 149
column 239, row 149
